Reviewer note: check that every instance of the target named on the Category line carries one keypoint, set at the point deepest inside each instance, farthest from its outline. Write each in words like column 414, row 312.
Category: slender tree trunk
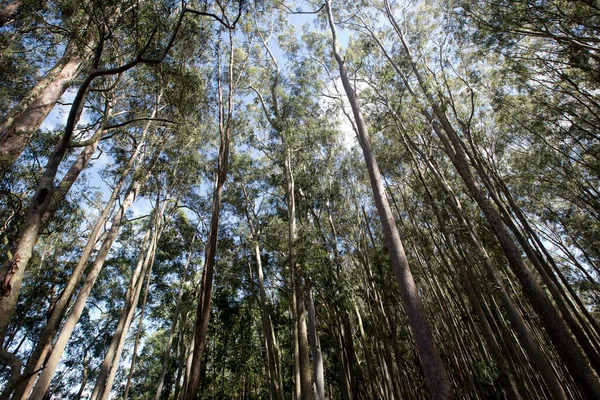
column 144, row 265
column 343, row 373
column 558, row 331
column 84, row 379
column 296, row 282
column 188, row 367
column 11, row 273
column 43, row 382
column 275, row 387
column 515, row 317
column 115, row 366
column 437, row 379
column 15, row 364
column 167, row 351
column 293, row 313
column 182, row 359
column 368, row 357
column 203, row 309
column 44, row 344
column 505, row 375
column 204, row 302
column 57, row 311
column 59, row 307
column 590, row 343
column 315, row 348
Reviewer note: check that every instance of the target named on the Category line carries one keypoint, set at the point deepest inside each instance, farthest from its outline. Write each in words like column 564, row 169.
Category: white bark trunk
column 43, row 382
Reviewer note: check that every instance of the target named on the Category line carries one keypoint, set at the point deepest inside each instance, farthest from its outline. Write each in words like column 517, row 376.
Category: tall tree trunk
column 17, row 129
column 303, row 369
column 188, row 367
column 181, row 368
column 297, row 381
column 115, row 366
column 368, row 357
column 167, row 351
column 205, row 299
column 559, row 333
column 84, row 380
column 505, row 374
column 45, row 378
column 437, row 379
column 315, row 348
column 515, row 317
column 44, row 343
column 275, row 385
column 141, row 274
column 12, row 271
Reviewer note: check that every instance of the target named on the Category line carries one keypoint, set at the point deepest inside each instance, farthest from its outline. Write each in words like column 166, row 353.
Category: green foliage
column 517, row 81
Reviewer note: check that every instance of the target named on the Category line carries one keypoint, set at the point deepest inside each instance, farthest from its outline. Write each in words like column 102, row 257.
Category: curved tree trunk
column 12, row 271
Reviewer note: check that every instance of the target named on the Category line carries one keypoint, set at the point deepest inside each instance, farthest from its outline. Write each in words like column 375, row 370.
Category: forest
column 305, row 200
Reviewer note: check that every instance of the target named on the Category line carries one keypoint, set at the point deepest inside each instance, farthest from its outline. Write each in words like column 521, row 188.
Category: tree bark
column 7, row 12
column 23, row 121
column 303, row 370
column 505, row 374
column 115, row 366
column 560, row 335
column 515, row 317
column 315, row 349
column 275, row 385
column 45, row 378
column 117, row 343
column 167, row 351
column 437, row 379
column 205, row 299
column 44, row 344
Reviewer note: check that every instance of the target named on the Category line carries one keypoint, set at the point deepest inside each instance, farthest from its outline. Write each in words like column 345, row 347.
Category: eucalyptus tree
column 435, row 373
column 12, row 270
column 247, row 176
column 14, row 267
column 549, row 50
column 460, row 154
column 226, row 86
column 261, row 270
column 272, row 109
column 82, row 33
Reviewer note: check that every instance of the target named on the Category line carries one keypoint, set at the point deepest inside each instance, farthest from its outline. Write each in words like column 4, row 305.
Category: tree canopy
column 245, row 199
